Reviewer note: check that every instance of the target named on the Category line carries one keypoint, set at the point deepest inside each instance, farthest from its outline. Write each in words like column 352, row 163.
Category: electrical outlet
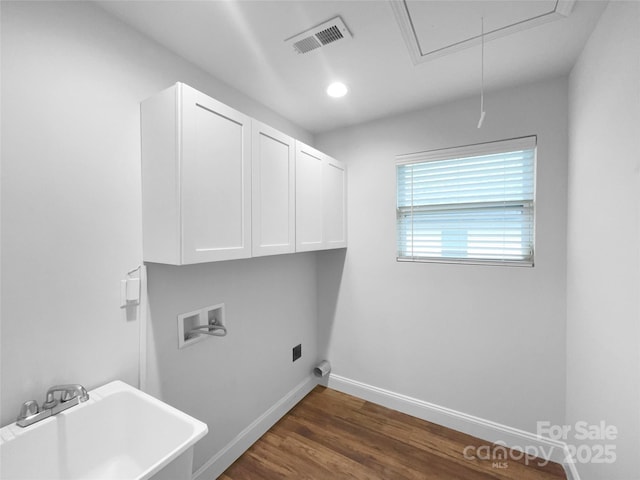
column 297, row 352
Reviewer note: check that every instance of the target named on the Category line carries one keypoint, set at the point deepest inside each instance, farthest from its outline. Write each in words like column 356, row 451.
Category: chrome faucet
column 70, row 395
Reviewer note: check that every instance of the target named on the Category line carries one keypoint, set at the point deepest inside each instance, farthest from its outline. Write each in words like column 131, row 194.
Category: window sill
column 468, row 261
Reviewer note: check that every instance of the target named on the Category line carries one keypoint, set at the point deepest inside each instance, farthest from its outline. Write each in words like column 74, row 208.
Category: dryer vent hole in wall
column 297, row 352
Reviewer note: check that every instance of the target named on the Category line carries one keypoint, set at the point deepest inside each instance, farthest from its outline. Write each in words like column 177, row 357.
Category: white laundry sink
column 119, row 433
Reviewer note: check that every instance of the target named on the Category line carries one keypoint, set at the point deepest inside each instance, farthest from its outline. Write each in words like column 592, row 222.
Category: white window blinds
column 471, row 204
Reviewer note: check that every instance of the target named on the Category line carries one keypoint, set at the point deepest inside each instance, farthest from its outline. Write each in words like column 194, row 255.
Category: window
column 472, row 204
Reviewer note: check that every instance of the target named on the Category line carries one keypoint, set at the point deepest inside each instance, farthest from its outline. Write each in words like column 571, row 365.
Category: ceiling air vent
column 319, row 36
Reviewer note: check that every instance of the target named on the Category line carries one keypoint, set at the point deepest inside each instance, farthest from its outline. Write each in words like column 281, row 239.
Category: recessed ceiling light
column 337, row 90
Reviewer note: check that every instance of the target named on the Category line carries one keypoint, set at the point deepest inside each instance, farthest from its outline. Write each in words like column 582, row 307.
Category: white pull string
column 482, row 112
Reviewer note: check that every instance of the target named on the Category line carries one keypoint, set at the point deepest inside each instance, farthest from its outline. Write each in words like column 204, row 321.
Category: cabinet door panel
column 309, row 217
column 215, row 180
column 335, row 204
column 273, row 192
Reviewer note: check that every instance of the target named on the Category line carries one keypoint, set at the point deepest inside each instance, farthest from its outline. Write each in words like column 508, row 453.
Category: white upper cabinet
column 309, row 193
column 273, row 191
column 218, row 185
column 321, row 196
column 334, row 197
column 196, row 167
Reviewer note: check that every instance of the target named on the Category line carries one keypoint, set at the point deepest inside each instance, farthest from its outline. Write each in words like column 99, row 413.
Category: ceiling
column 242, row 43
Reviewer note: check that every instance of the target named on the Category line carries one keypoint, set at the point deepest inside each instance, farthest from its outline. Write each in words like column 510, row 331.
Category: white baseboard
column 546, row 448
column 222, row 460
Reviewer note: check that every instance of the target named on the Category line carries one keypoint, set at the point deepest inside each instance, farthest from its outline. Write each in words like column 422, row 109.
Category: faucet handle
column 28, row 409
column 49, row 401
column 76, row 391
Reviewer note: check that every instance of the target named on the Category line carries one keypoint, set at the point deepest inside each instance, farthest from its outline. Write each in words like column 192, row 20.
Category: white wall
column 603, row 270
column 270, row 305
column 72, row 77
column 487, row 341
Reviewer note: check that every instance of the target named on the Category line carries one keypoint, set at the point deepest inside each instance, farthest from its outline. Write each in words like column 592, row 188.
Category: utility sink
column 119, row 433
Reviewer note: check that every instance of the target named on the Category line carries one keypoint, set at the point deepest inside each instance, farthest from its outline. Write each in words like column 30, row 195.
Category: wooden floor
column 330, row 435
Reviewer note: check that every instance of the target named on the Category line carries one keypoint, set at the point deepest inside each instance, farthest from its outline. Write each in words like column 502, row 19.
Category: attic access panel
column 435, row 28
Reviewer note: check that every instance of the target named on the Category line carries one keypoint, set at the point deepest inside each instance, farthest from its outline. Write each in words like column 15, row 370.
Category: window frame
column 529, row 142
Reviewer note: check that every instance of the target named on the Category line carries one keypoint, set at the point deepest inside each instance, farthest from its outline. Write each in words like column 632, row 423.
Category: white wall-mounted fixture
column 328, row 32
column 130, row 288
column 193, row 326
column 337, row 90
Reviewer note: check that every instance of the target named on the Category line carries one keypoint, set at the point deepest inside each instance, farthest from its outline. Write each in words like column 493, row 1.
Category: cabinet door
column 334, row 203
column 216, row 182
column 272, row 191
column 309, row 217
